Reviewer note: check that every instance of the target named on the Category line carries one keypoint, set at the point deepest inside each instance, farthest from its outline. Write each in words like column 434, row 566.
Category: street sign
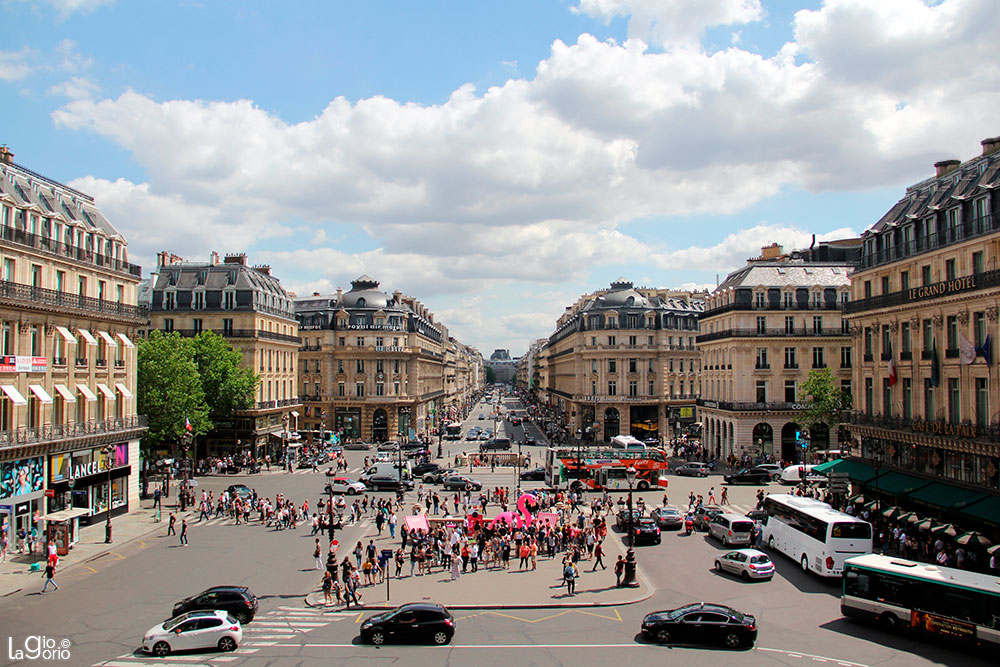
column 50, row 493
column 838, row 482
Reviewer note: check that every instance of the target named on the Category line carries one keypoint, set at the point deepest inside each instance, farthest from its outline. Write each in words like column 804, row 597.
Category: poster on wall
column 21, row 477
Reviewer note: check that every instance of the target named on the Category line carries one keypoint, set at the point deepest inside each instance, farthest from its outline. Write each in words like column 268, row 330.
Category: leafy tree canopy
column 228, row 385
column 169, row 389
column 825, row 399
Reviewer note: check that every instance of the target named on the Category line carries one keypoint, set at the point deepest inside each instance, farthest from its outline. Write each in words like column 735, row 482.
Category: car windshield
column 172, row 623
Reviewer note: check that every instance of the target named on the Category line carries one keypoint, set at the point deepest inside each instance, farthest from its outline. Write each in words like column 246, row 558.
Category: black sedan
column 422, row 469
column 644, row 530
column 622, row 520
column 701, row 624
column 410, row 624
column 751, row 476
column 535, row 475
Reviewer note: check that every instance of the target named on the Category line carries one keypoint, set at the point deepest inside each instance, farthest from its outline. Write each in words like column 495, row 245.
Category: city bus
column 453, row 431
column 604, row 468
column 814, row 534
column 901, row 594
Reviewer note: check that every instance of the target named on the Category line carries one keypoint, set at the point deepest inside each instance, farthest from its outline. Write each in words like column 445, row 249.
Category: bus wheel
column 770, row 542
column 805, row 563
column 643, row 485
column 889, row 621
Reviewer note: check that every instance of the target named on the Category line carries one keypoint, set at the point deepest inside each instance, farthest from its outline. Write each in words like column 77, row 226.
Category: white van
column 387, row 468
column 793, row 474
column 627, row 442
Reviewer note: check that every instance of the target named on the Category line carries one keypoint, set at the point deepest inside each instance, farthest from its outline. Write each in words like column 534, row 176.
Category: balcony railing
column 60, row 249
column 967, row 230
column 777, row 332
column 972, row 283
column 748, row 406
column 938, row 427
column 768, row 305
column 30, row 296
column 283, row 403
column 241, row 333
column 52, row 432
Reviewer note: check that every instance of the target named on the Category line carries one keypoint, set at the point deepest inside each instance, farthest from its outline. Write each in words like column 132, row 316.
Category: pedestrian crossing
column 279, row 625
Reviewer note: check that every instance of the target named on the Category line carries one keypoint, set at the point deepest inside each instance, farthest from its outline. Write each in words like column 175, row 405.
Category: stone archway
column 763, row 438
column 790, row 450
column 380, row 425
column 612, row 424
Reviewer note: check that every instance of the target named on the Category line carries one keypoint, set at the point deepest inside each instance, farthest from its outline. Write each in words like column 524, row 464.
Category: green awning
column 986, row 510
column 857, row 470
column 828, row 467
column 897, row 482
column 946, row 496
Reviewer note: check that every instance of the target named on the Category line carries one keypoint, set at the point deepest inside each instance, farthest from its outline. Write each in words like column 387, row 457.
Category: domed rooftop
column 623, row 295
column 364, row 293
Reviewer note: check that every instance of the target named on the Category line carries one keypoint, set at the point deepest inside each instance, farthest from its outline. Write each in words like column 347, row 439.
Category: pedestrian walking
column 619, row 571
column 171, row 524
column 599, row 557
column 569, row 577
column 327, row 588
column 711, row 496
column 725, row 496
column 316, row 555
column 156, row 499
column 184, row 532
column 50, row 574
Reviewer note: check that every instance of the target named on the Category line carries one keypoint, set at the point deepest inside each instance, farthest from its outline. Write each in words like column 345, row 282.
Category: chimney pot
column 6, row 156
column 944, row 166
column 990, row 145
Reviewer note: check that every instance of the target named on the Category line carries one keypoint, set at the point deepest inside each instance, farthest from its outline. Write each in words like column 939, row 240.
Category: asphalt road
column 103, row 609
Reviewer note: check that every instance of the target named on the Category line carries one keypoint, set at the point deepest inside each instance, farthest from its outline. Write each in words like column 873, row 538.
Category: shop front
column 22, row 488
column 86, row 485
column 644, row 422
column 347, row 421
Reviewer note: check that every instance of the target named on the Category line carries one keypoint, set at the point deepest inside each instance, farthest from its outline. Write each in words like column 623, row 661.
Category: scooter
column 688, row 526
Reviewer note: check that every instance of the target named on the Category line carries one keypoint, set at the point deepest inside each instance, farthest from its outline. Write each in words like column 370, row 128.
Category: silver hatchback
column 747, row 563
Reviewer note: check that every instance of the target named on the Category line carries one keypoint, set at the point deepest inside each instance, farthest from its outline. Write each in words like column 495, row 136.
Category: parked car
column 461, row 483
column 387, row 483
column 360, row 446
column 388, row 446
column 422, row 469
column 693, row 470
column 667, row 517
column 499, row 444
column 731, row 529
column 237, row 600
column 749, row 476
column 622, row 520
column 437, row 476
column 534, row 475
column 746, row 563
column 409, row 624
column 345, row 485
column 215, row 628
column 704, row 514
column 701, row 624
column 645, row 530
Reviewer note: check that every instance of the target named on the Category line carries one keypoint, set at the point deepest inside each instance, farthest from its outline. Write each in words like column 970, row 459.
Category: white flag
column 966, row 350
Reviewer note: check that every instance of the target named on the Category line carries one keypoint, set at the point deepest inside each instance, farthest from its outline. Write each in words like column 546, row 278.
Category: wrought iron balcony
column 54, row 432
column 777, row 332
column 969, row 229
column 28, row 296
column 749, row 406
column 977, row 281
column 241, row 333
column 938, row 427
column 59, row 249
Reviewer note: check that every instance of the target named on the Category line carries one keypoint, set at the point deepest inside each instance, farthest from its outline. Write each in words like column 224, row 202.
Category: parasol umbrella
column 892, row 512
column 908, row 517
column 857, row 499
column 870, row 505
column 926, row 524
column 945, row 529
column 973, row 539
column 994, row 549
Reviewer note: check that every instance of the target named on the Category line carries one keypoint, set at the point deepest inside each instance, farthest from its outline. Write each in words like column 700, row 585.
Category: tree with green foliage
column 491, row 375
column 169, row 389
column 228, row 385
column 825, row 399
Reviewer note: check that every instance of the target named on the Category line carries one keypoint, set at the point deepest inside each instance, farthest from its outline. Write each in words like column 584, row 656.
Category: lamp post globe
column 629, row 578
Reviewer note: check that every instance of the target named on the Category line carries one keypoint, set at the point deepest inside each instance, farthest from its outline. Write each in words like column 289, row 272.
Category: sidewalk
column 15, row 575
column 503, row 589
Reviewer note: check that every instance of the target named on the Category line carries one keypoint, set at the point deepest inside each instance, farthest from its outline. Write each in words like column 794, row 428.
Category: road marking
column 616, row 617
column 818, row 658
column 358, row 619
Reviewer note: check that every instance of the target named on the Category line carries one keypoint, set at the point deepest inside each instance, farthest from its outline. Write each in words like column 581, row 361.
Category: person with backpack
column 569, row 577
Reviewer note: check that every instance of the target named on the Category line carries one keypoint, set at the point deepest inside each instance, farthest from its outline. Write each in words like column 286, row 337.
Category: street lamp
column 109, row 453
column 284, row 441
column 629, row 579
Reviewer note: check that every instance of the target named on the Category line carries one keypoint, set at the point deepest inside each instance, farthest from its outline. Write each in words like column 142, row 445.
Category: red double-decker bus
column 604, row 468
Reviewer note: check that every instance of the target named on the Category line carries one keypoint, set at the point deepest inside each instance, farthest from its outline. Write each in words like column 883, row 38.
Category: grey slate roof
column 787, row 274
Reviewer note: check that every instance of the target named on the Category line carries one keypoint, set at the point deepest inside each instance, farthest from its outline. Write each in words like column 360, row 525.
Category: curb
column 473, row 605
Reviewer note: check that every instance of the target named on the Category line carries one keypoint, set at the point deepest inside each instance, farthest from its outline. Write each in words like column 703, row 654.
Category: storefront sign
column 710, row 404
column 943, row 288
column 614, row 399
column 376, row 327
column 389, row 348
column 945, row 428
column 22, row 508
column 82, row 463
column 687, row 413
column 13, row 364
column 20, row 477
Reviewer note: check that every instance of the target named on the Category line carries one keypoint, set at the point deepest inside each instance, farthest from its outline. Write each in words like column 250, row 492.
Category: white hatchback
column 345, row 485
column 747, row 563
column 194, row 630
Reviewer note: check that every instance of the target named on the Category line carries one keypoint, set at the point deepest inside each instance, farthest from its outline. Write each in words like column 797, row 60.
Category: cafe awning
column 65, row 393
column 946, row 496
column 987, row 509
column 39, row 391
column 898, row 483
column 66, row 514
column 13, row 394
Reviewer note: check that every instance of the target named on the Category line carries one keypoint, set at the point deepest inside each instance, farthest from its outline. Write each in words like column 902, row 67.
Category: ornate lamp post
column 629, row 578
column 109, row 456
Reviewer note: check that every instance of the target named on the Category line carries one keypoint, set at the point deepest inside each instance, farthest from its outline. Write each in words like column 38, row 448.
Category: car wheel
column 242, row 616
column 805, row 563
column 377, row 638
column 161, row 649
column 227, row 644
column 663, row 636
column 718, row 566
column 725, row 541
column 441, row 637
column 353, row 492
column 889, row 622
column 745, row 575
column 732, row 640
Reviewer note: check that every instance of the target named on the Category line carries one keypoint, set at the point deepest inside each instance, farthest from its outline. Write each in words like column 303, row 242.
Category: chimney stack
column 6, row 157
column 213, row 259
column 990, row 145
column 944, row 166
column 315, row 293
column 236, row 258
column 263, row 268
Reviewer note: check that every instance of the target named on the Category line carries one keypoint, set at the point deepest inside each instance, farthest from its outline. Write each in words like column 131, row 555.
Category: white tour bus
column 923, row 598
column 814, row 534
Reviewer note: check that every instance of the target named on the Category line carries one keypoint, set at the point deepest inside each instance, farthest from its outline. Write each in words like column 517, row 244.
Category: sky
column 494, row 159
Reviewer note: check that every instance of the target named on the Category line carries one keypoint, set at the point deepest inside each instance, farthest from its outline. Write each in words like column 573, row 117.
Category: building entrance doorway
column 612, row 425
column 380, row 425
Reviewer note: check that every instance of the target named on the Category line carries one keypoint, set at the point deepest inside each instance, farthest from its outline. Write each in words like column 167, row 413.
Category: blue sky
column 494, row 159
